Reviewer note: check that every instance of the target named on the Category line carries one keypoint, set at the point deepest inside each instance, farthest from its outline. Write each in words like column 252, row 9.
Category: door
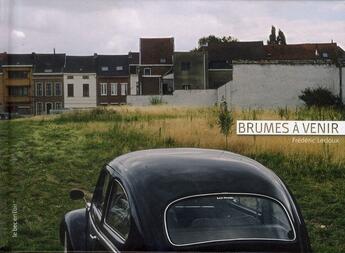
column 96, row 241
column 49, row 107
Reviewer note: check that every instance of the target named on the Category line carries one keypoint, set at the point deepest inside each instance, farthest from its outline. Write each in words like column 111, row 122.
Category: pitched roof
column 112, row 65
column 228, row 51
column 312, row 51
column 156, row 50
column 16, row 59
column 80, row 64
column 49, row 63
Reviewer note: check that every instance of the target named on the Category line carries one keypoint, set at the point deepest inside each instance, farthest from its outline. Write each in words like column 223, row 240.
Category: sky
column 84, row 27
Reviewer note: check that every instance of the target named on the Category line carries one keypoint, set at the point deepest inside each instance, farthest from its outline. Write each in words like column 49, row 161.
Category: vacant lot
column 43, row 157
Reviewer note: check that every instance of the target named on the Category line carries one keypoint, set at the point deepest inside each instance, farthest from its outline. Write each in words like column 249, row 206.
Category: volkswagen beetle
column 186, row 200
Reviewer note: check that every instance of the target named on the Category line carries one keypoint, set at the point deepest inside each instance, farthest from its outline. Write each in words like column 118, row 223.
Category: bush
column 156, row 101
column 225, row 121
column 320, row 97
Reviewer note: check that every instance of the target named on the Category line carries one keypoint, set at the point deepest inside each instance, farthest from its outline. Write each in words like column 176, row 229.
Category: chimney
column 54, row 50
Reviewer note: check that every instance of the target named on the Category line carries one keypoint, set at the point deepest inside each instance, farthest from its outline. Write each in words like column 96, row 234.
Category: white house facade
column 80, row 90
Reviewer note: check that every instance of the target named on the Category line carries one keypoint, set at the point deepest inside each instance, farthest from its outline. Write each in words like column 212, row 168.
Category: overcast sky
column 114, row 27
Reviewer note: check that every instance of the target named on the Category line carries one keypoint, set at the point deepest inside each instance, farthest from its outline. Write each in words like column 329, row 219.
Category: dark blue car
column 186, row 200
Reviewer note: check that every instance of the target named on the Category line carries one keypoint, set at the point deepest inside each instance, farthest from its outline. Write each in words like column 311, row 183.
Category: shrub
column 320, row 97
column 156, row 101
column 225, row 121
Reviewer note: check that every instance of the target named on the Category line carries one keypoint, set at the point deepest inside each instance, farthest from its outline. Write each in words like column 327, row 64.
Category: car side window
column 118, row 215
column 101, row 190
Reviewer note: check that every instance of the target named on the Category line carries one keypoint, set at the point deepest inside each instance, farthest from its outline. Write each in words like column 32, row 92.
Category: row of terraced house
column 41, row 83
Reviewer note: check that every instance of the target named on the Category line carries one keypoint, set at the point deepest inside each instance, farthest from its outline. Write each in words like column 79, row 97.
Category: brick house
column 155, row 62
column 17, row 83
column 112, row 79
column 2, row 86
column 48, row 82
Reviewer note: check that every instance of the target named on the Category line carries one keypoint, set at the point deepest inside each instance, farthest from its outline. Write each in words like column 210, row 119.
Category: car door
column 96, row 240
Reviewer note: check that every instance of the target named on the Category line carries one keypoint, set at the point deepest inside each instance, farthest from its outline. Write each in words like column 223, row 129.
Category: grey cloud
column 114, row 27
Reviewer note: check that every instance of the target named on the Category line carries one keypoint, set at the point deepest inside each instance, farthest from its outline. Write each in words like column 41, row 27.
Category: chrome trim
column 48, row 74
column 219, row 69
column 16, row 66
column 109, row 244
column 228, row 240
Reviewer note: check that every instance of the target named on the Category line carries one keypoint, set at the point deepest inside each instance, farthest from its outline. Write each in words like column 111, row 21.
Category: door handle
column 93, row 237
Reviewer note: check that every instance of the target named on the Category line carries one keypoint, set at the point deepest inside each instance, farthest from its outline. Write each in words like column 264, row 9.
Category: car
column 186, row 199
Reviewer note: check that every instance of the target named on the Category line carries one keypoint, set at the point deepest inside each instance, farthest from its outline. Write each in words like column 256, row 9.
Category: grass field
column 42, row 158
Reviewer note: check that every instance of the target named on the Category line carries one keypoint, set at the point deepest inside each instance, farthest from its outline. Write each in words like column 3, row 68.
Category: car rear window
column 222, row 217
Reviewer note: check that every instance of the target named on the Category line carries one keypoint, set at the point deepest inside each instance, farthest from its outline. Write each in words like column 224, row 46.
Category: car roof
column 168, row 174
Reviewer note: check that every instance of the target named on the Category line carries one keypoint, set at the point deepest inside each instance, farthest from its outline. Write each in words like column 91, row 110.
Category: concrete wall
column 273, row 85
column 179, row 98
column 78, row 101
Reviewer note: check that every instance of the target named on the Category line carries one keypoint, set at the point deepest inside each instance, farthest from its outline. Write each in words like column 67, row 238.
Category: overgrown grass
column 44, row 157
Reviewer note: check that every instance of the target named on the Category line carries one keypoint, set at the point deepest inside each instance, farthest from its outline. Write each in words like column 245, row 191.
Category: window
column 85, row 77
column 58, row 105
column 325, row 55
column 58, row 89
column 39, row 89
column 119, row 68
column 17, row 74
column 113, row 89
column 39, row 108
column 217, row 217
column 48, row 70
column 163, row 60
column 105, row 68
column 70, row 90
column 86, row 90
column 100, row 192
column 186, row 86
column 118, row 216
column 69, row 77
column 185, row 66
column 103, row 89
column 123, row 89
column 49, row 90
column 18, row 91
column 147, row 71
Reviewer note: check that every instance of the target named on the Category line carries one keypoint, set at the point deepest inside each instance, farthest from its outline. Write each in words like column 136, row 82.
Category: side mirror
column 76, row 194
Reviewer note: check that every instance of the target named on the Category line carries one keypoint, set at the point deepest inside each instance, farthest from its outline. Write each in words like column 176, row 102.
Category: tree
column 320, row 97
column 212, row 38
column 225, row 121
column 272, row 38
column 281, row 40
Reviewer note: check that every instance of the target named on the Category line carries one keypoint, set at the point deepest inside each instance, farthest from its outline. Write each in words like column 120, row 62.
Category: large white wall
column 78, row 101
column 179, row 98
column 273, row 85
